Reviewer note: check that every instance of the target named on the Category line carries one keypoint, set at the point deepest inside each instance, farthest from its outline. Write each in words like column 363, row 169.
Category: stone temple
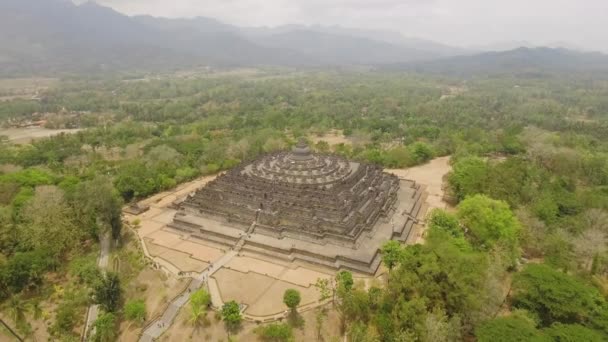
column 302, row 206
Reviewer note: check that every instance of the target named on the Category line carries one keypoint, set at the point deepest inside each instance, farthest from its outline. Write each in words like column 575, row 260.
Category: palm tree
column 198, row 316
column 16, row 309
column 35, row 309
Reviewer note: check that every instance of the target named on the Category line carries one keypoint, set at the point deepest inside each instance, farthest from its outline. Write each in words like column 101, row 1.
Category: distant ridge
column 45, row 37
column 57, row 36
column 520, row 60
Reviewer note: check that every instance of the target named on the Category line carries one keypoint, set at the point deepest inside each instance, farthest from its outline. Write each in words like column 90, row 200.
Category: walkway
column 156, row 328
column 102, row 263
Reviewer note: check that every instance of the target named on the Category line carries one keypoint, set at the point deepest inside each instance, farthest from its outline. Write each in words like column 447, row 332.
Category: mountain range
column 57, row 36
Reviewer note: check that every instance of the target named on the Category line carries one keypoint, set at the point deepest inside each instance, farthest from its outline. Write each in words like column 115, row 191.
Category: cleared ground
column 432, row 176
column 27, row 135
column 156, row 289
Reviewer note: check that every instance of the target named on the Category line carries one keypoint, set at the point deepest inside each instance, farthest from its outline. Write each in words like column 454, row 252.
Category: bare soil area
column 27, row 135
column 432, row 176
column 156, row 289
column 333, row 137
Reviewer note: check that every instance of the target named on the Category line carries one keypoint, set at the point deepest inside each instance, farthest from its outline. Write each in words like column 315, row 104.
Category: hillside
column 57, row 36
column 520, row 60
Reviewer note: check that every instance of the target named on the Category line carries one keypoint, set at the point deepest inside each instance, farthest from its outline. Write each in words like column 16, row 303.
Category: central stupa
column 300, row 205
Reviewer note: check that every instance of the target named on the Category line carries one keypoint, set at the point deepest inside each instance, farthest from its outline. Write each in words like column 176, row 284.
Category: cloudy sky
column 581, row 23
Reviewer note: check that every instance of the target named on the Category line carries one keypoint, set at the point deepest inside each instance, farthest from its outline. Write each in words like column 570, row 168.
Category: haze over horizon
column 463, row 23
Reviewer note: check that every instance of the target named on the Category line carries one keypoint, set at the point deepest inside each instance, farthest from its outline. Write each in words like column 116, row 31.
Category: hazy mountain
column 333, row 49
column 47, row 36
column 325, row 45
column 42, row 36
column 520, row 60
column 198, row 24
column 395, row 39
column 512, row 45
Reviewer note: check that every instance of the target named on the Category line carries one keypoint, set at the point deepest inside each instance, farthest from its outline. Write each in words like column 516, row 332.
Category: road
column 102, row 263
column 160, row 325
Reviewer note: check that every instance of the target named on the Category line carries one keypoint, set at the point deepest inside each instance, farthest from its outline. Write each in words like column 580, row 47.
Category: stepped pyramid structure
column 302, row 206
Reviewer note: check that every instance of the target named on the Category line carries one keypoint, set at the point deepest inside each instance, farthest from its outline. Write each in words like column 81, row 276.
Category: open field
column 14, row 88
column 27, row 135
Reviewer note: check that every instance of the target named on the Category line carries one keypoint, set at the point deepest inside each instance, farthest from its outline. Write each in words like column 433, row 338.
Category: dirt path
column 102, row 263
column 431, row 175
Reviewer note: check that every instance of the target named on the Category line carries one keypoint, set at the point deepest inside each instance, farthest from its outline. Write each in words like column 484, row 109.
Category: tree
column 509, row 329
column 344, row 281
column 557, row 297
column 100, row 202
column 440, row 328
column 573, row 333
column 488, row 222
column 292, row 299
column 322, row 286
column 48, row 222
column 200, row 298
column 322, row 146
column 34, row 307
column 108, row 292
column 25, row 269
column 360, row 332
column 344, row 285
column 274, row 144
column 16, row 308
column 105, row 328
column 468, row 177
column 65, row 318
column 391, row 252
column 135, row 310
column 199, row 301
column 275, row 332
column 593, row 241
column 437, row 275
column 442, row 220
column 320, row 316
column 231, row 314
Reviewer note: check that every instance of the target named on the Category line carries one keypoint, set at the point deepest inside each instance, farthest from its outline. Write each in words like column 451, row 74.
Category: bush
column 135, row 310
column 275, row 332
column 65, row 320
column 421, row 152
column 85, row 268
column 105, row 328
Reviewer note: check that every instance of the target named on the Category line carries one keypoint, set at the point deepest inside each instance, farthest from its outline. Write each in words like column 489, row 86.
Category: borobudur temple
column 303, row 206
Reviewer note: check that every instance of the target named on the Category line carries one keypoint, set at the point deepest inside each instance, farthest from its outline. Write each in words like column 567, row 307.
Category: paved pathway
column 102, row 262
column 160, row 325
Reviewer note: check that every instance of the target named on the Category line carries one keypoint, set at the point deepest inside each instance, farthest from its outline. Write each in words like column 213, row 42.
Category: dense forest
column 523, row 256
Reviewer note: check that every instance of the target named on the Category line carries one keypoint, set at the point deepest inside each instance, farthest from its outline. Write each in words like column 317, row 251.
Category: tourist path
column 157, row 327
column 102, row 263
